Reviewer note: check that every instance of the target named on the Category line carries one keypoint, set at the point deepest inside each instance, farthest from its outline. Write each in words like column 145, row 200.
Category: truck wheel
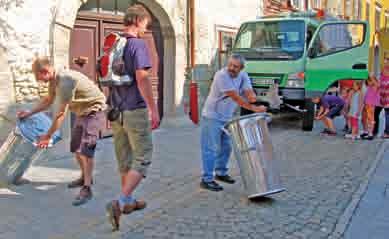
column 309, row 115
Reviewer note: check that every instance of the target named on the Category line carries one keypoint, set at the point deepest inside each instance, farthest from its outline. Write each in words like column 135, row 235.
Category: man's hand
column 259, row 109
column 155, row 120
column 23, row 114
column 44, row 141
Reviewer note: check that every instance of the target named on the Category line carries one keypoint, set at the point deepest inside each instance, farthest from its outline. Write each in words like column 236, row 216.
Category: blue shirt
column 219, row 106
column 329, row 101
column 136, row 57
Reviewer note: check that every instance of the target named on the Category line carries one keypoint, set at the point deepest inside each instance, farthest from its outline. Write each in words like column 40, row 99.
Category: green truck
column 296, row 56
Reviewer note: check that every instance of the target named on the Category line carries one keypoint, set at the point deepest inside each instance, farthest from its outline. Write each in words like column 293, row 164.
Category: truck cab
column 296, row 56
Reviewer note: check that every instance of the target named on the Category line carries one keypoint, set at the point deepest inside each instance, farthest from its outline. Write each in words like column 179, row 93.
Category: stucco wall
column 25, row 27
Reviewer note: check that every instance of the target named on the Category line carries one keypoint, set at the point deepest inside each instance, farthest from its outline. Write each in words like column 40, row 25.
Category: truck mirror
column 311, row 52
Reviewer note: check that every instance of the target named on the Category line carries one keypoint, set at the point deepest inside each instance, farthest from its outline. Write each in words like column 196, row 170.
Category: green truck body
column 303, row 57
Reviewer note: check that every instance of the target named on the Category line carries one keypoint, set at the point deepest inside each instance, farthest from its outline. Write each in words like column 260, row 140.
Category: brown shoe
column 137, row 205
column 84, row 196
column 77, row 183
column 113, row 214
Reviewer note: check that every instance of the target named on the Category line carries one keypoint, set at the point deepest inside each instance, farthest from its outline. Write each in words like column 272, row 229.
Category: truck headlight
column 296, row 80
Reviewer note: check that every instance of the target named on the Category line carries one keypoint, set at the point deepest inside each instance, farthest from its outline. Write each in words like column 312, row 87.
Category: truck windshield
column 277, row 40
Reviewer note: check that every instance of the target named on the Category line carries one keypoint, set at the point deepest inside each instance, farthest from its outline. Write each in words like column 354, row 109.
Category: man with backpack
column 231, row 87
column 132, row 131
column 77, row 93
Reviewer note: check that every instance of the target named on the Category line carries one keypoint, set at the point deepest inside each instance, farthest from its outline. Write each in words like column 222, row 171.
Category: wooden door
column 86, row 41
column 84, row 48
column 84, row 51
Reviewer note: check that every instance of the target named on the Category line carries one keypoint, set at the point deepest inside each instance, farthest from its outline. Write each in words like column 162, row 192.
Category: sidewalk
column 371, row 218
column 320, row 174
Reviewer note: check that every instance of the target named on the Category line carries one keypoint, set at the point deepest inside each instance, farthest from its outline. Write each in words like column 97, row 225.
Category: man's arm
column 145, row 88
column 43, row 105
column 250, row 95
column 243, row 103
column 57, row 122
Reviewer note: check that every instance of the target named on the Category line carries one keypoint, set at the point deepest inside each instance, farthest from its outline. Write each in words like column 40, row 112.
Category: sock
column 123, row 200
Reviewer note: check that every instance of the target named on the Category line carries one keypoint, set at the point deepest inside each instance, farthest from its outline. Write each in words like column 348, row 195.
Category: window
column 272, row 40
column 338, row 37
column 113, row 7
column 367, row 12
column 296, row 4
column 347, row 9
column 387, row 21
column 316, row 4
column 357, row 9
column 226, row 39
column 378, row 18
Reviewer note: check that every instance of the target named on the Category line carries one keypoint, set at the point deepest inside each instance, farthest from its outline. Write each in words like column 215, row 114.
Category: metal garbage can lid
column 36, row 125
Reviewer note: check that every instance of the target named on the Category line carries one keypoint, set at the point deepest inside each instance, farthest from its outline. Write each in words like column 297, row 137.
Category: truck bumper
column 285, row 93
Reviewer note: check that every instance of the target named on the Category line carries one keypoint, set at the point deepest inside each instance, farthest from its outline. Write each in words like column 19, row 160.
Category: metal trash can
column 18, row 151
column 254, row 153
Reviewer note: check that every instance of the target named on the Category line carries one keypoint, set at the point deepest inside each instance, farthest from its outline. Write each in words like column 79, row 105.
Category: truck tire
column 308, row 116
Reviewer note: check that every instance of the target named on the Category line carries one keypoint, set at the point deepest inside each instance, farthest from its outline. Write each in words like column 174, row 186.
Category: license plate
column 263, row 81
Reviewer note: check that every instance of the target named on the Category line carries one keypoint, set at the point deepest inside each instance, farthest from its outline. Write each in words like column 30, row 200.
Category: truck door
column 339, row 51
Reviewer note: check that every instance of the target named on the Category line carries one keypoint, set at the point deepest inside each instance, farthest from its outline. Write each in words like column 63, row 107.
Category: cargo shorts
column 85, row 133
column 133, row 141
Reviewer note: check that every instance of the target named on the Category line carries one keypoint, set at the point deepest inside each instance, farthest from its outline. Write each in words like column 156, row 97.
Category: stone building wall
column 30, row 27
column 25, row 27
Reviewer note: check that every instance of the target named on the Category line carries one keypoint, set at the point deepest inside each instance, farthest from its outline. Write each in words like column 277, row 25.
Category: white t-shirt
column 219, row 106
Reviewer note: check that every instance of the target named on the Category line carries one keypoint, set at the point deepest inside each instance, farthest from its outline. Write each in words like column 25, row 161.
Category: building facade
column 184, row 34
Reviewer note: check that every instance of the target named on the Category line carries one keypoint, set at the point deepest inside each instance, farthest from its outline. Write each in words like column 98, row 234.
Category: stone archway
column 64, row 19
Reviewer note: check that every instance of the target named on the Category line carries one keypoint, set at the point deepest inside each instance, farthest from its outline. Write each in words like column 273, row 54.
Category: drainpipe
column 190, row 64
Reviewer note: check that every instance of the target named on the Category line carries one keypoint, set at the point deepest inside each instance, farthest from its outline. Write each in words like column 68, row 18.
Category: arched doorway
column 96, row 19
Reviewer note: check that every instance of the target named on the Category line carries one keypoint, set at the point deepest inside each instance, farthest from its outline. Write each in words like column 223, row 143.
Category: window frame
column 220, row 30
column 313, row 44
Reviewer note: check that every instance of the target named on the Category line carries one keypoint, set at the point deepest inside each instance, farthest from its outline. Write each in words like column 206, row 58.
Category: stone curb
column 345, row 218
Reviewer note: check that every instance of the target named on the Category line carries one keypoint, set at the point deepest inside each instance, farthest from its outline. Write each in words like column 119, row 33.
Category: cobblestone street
column 320, row 174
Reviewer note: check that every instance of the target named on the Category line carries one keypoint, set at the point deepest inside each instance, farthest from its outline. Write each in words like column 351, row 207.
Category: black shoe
column 364, row 135
column 225, row 178
column 212, row 186
column 368, row 137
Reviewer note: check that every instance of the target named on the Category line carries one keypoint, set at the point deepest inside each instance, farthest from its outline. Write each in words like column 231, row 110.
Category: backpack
column 110, row 65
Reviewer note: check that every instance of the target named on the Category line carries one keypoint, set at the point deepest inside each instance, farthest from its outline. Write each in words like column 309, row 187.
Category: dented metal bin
column 254, row 153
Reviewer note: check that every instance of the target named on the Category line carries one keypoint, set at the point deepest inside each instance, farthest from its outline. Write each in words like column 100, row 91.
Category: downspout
column 193, row 108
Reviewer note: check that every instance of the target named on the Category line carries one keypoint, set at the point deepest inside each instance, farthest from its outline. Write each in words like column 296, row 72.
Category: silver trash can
column 18, row 151
column 254, row 153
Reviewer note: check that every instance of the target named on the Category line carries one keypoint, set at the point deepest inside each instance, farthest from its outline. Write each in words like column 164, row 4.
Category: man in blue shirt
column 229, row 87
column 132, row 131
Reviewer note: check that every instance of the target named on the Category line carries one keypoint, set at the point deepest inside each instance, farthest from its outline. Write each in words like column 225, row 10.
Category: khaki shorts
column 133, row 141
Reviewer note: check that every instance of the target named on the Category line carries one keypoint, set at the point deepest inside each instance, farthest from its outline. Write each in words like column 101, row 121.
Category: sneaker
column 135, row 206
column 84, row 196
column 352, row 137
column 329, row 132
column 77, row 183
column 325, row 131
column 212, row 186
column 368, row 137
column 364, row 135
column 345, row 129
column 225, row 178
column 113, row 213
